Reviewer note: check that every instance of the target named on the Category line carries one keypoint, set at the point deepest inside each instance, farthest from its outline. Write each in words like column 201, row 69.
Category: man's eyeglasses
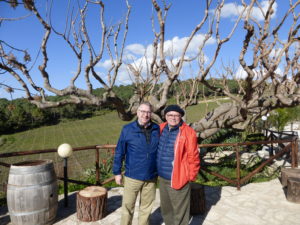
column 144, row 112
column 173, row 115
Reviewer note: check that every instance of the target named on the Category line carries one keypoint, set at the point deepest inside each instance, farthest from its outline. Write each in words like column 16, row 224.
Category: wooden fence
column 288, row 144
column 96, row 148
column 286, row 141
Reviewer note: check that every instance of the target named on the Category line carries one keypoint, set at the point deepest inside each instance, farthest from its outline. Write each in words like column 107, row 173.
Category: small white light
column 264, row 118
column 64, row 150
column 268, row 114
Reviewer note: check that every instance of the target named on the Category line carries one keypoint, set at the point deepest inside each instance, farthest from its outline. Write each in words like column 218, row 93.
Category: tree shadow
column 284, row 189
column 212, row 196
column 113, row 203
column 3, row 210
column 156, row 218
column 64, row 212
column 4, row 216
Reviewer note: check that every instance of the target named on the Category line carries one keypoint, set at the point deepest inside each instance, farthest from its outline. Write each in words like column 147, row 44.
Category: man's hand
column 118, row 179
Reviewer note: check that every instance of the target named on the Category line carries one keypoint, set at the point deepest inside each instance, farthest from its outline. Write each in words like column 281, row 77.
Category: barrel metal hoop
column 23, row 187
column 30, row 170
column 28, row 213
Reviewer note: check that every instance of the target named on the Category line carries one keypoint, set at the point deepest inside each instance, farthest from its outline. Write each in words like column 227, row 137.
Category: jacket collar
column 163, row 125
column 176, row 127
column 149, row 125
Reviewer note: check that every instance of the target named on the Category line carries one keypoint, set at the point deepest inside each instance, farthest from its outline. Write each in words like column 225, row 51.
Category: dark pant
column 175, row 204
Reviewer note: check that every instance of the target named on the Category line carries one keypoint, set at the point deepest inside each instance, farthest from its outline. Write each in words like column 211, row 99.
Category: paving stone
column 255, row 204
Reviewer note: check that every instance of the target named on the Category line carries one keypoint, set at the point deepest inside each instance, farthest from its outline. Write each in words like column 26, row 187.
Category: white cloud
column 140, row 56
column 173, row 49
column 129, row 57
column 123, row 76
column 175, row 46
column 256, row 13
column 137, row 49
column 106, row 64
column 275, row 52
column 231, row 10
column 241, row 73
column 279, row 71
column 234, row 10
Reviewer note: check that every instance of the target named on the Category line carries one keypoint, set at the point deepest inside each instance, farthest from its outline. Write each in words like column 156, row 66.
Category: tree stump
column 197, row 199
column 293, row 190
column 288, row 172
column 91, row 203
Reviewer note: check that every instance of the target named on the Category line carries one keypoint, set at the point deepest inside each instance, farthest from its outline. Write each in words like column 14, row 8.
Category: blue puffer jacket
column 140, row 156
column 165, row 152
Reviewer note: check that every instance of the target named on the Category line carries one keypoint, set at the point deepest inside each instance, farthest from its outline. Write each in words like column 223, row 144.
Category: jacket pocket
column 187, row 171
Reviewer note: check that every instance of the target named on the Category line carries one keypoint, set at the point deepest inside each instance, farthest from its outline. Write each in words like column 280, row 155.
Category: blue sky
column 183, row 16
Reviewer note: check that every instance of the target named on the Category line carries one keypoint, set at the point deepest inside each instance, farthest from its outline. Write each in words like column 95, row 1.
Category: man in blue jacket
column 137, row 146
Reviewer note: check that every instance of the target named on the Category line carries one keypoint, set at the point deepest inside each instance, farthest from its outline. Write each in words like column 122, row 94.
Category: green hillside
column 97, row 130
column 91, row 131
column 104, row 129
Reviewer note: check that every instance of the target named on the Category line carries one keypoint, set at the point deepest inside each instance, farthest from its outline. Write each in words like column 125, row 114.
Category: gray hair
column 147, row 104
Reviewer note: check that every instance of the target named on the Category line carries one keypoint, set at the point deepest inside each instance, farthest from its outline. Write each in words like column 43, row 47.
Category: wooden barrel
column 32, row 193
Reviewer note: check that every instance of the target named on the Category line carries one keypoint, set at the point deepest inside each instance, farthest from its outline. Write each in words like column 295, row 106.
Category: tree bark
column 91, row 203
column 197, row 199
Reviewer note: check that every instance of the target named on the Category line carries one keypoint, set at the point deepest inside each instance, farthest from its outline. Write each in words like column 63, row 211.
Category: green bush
column 253, row 138
column 223, row 136
column 90, row 176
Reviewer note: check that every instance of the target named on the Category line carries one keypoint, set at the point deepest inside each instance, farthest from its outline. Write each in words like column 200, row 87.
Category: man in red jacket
column 178, row 163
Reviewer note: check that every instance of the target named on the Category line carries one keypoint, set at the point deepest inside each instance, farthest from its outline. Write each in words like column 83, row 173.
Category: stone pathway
column 256, row 204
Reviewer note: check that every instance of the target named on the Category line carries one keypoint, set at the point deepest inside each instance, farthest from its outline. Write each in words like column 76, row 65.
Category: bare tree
column 264, row 89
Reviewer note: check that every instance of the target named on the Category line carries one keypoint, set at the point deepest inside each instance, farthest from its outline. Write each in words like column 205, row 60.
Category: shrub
column 252, row 138
column 223, row 136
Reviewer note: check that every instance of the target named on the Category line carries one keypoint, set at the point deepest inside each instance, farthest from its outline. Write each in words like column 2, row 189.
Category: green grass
column 98, row 130
column 227, row 168
column 197, row 112
column 92, row 131
column 104, row 129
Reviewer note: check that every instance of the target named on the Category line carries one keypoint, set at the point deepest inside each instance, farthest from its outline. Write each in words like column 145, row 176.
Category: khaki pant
column 147, row 196
column 174, row 204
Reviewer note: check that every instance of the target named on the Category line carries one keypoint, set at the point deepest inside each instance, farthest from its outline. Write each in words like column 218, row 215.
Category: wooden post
column 91, row 203
column 197, row 199
column 293, row 190
column 272, row 147
column 296, row 152
column 238, row 172
column 293, row 154
column 287, row 173
column 97, row 167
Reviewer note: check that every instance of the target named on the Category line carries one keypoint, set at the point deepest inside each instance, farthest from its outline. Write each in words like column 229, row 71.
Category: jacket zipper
column 175, row 151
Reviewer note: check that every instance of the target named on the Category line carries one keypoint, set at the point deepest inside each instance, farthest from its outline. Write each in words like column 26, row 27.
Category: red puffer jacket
column 186, row 156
